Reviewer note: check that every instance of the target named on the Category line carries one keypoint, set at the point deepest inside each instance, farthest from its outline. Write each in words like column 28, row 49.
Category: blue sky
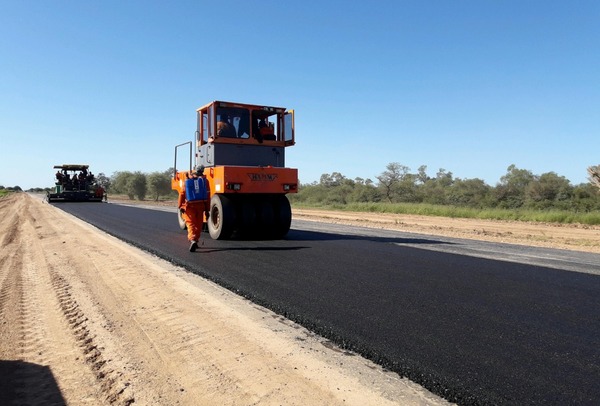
column 468, row 86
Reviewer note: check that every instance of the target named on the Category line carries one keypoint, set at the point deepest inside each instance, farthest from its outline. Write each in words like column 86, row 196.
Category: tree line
column 518, row 188
column 11, row 188
column 139, row 185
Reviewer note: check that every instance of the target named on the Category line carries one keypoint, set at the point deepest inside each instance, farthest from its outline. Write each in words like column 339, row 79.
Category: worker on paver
column 192, row 203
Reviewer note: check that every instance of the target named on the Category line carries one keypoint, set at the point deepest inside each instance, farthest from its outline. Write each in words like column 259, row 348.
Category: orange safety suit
column 193, row 215
column 267, row 131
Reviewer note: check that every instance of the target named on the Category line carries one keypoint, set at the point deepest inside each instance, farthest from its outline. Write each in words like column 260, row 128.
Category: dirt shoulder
column 576, row 237
column 87, row 319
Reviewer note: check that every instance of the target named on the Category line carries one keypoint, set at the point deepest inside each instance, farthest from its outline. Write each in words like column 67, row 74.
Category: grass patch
column 550, row 216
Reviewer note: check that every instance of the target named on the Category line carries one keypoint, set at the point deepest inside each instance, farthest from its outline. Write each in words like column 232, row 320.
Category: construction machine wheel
column 180, row 220
column 221, row 221
column 266, row 218
column 248, row 216
column 283, row 216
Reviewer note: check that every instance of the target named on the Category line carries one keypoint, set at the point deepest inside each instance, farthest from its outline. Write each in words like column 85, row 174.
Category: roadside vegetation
column 424, row 209
column 6, row 190
column 519, row 195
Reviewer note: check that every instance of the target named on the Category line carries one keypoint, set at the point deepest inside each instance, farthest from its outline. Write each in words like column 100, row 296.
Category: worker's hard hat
column 199, row 170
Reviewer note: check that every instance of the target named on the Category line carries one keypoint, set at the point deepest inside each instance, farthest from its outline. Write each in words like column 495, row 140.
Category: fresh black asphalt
column 472, row 330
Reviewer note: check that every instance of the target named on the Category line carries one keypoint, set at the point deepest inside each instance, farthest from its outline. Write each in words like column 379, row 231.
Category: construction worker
column 267, row 131
column 225, row 128
column 192, row 203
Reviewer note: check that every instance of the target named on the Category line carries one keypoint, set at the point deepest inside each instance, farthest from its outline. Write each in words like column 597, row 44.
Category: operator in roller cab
column 193, row 203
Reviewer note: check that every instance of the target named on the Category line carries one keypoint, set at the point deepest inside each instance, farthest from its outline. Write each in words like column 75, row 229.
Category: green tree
column 159, row 184
column 408, row 190
column 422, row 176
column 137, row 186
column 169, row 172
column 313, row 193
column 335, row 179
column 365, row 191
column 103, row 180
column 510, row 192
column 338, row 188
column 436, row 190
column 548, row 190
column 585, row 198
column 390, row 179
column 470, row 193
column 119, row 182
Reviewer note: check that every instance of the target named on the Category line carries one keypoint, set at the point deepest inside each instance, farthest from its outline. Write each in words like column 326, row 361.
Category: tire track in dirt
column 62, row 268
column 26, row 382
column 10, row 296
column 110, row 381
column 47, row 335
column 11, row 293
column 9, row 221
column 109, row 290
column 11, row 305
column 36, row 347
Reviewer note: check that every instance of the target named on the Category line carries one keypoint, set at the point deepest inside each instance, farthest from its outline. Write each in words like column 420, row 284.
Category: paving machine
column 242, row 150
column 75, row 183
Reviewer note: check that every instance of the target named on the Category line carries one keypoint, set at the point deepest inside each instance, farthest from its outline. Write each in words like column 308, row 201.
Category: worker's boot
column 193, row 246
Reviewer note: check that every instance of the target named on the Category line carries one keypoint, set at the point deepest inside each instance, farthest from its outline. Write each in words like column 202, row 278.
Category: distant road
column 474, row 322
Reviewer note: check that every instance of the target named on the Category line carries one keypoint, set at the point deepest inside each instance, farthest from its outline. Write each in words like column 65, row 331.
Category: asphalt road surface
column 476, row 323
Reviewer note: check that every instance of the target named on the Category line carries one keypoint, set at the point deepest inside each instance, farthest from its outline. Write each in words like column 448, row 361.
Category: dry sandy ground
column 86, row 319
